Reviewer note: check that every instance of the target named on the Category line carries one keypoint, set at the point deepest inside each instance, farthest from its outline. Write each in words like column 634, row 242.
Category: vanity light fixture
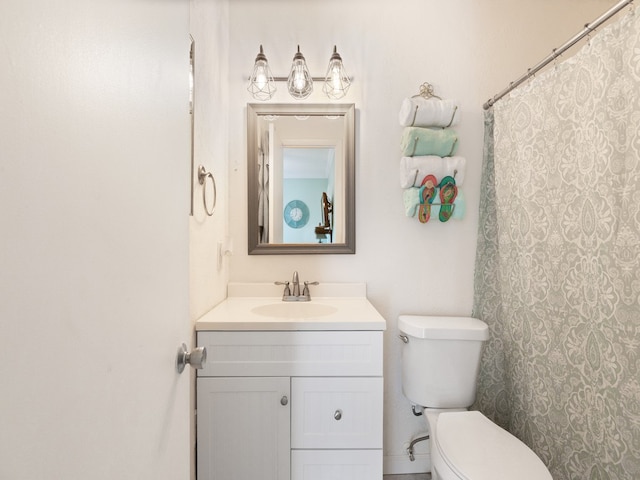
column 261, row 84
column 299, row 82
column 336, row 82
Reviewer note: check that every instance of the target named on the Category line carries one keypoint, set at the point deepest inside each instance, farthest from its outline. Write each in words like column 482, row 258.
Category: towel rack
column 426, row 91
column 202, row 177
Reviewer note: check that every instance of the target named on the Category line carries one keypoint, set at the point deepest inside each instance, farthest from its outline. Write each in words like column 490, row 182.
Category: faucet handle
column 287, row 291
column 305, row 292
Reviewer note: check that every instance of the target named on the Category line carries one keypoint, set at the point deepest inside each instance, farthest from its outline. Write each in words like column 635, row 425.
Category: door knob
column 196, row 358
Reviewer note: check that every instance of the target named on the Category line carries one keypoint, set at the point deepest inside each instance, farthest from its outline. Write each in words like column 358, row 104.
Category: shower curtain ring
column 588, row 27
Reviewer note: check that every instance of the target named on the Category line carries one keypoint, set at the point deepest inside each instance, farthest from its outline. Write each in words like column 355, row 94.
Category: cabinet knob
column 338, row 414
column 284, row 400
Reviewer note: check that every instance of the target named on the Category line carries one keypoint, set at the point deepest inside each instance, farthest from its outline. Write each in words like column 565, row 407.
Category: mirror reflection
column 308, row 178
column 301, row 178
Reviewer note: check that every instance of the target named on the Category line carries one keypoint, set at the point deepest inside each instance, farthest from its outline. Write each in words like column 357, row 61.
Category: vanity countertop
column 260, row 307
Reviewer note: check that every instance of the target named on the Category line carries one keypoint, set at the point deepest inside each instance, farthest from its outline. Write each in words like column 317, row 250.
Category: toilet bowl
column 440, row 365
column 467, row 445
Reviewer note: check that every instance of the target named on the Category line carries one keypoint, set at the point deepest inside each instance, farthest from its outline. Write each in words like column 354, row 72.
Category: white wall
column 469, row 50
column 208, row 272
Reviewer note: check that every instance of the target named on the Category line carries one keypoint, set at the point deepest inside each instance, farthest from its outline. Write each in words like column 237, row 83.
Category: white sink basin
column 294, row 310
column 259, row 307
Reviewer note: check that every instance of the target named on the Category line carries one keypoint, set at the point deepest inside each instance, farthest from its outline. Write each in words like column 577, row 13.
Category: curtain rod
column 556, row 52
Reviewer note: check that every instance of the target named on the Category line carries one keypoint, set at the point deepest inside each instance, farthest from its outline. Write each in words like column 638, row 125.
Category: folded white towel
column 428, row 112
column 414, row 169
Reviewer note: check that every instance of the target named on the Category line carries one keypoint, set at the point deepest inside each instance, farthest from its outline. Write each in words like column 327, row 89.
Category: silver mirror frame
column 254, row 110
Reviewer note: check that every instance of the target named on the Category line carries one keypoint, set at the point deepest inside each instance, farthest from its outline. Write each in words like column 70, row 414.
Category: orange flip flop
column 426, row 193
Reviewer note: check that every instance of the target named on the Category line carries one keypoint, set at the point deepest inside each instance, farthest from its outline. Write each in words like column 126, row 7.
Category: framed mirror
column 301, row 178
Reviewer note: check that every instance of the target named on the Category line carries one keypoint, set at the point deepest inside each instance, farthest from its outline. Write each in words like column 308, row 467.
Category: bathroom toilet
column 440, row 365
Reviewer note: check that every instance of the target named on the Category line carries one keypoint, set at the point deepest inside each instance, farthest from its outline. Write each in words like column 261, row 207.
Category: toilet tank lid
column 443, row 328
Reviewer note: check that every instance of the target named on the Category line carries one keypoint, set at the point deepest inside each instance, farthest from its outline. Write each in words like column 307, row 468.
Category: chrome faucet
column 292, row 294
column 295, row 291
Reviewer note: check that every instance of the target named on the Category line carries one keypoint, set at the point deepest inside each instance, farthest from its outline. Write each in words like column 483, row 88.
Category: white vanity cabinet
column 299, row 405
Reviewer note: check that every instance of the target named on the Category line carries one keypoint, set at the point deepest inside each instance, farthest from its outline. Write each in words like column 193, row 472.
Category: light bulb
column 261, row 84
column 298, row 78
column 337, row 82
column 299, row 83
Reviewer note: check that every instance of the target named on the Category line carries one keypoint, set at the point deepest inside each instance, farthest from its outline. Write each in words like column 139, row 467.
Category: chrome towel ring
column 202, row 177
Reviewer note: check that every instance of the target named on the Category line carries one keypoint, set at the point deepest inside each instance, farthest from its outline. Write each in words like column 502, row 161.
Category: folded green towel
column 428, row 141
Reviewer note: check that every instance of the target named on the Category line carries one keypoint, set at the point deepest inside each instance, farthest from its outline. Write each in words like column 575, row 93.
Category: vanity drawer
column 291, row 353
column 336, row 465
column 336, row 412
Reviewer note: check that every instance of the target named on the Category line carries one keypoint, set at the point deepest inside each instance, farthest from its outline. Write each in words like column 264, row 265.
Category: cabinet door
column 243, row 428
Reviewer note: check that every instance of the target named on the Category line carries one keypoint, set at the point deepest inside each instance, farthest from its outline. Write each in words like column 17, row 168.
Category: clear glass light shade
column 299, row 82
column 261, row 84
column 336, row 83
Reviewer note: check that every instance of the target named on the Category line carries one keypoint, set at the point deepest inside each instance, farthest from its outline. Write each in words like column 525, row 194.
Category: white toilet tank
column 441, row 359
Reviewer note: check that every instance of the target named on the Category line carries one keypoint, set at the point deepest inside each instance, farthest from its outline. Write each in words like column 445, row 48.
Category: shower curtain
column 558, row 264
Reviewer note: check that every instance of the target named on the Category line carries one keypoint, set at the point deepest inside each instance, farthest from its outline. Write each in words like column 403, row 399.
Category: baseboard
column 397, row 464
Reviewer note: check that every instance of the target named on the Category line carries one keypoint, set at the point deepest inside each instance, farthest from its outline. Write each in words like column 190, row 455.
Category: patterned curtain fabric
column 558, row 264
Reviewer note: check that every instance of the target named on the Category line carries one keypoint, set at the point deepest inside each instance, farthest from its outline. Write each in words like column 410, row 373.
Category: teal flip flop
column 448, row 194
